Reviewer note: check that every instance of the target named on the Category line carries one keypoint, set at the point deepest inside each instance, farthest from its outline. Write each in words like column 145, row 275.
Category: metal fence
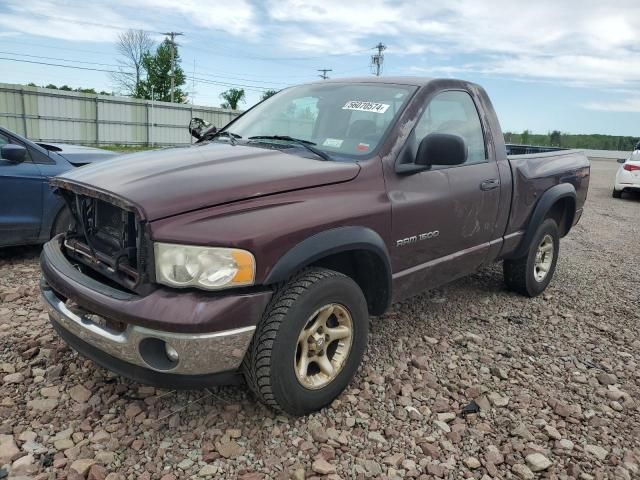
column 43, row 114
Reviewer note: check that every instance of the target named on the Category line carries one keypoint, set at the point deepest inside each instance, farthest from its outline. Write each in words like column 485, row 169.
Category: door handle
column 490, row 184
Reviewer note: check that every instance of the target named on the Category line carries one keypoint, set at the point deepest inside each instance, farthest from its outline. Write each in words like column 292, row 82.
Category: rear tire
column 531, row 274
column 63, row 223
column 273, row 361
column 616, row 193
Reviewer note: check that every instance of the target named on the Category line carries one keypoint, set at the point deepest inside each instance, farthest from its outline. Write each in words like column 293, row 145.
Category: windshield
column 342, row 119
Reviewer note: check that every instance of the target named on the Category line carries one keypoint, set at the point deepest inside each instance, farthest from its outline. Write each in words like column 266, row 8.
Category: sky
column 569, row 65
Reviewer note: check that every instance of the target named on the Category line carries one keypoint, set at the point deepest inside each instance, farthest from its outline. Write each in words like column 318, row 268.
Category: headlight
column 210, row 268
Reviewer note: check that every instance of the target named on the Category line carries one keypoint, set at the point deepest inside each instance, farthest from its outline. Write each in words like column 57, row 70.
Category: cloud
column 570, row 41
column 630, row 105
column 577, row 42
column 84, row 22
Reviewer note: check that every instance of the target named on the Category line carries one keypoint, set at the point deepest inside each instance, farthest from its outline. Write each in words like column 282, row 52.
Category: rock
column 421, row 362
column 371, row 467
column 185, row 464
column 321, row 466
column 598, row 452
column 494, row 455
column 208, row 470
column 606, row 378
column 520, row 430
column 442, row 426
column 8, row 449
column 538, row 462
column 80, row 394
column 97, row 472
column 394, row 460
column 105, row 457
column 376, row 437
column 24, row 465
column 13, row 378
column 523, row 472
column 82, row 466
column 446, row 417
column 63, row 444
column 229, row 449
column 42, row 404
column 552, row 432
column 50, row 392
column 501, row 373
column 132, row 411
column 472, row 463
column 566, row 444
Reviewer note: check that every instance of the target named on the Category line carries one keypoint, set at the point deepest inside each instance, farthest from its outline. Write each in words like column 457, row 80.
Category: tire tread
column 256, row 365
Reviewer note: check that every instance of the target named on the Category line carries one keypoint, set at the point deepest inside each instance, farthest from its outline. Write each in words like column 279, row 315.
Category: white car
column 628, row 176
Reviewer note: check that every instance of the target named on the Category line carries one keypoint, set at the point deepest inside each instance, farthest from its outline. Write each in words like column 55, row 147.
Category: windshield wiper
column 309, row 145
column 224, row 133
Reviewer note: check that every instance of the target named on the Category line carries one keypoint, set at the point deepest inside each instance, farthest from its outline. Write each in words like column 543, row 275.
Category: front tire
column 530, row 275
column 309, row 343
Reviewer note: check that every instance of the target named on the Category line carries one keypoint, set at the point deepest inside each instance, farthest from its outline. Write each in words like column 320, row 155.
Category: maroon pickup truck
column 262, row 250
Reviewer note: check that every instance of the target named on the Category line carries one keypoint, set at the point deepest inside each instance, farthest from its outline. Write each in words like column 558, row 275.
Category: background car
column 628, row 176
column 30, row 213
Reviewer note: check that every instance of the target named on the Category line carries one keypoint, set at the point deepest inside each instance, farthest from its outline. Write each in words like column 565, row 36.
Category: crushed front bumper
column 125, row 343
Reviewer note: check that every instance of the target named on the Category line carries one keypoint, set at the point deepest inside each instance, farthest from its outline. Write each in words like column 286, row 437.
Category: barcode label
column 365, row 106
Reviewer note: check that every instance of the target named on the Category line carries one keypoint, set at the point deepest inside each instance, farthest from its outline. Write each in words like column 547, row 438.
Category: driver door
column 20, row 199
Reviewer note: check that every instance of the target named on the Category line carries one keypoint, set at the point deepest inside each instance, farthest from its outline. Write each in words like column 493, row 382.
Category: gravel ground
column 556, row 379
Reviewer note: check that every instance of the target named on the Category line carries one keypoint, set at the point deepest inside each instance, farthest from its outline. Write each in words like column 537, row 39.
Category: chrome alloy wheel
column 544, row 258
column 323, row 346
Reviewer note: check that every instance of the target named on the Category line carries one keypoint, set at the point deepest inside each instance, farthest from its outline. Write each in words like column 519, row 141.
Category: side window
column 454, row 112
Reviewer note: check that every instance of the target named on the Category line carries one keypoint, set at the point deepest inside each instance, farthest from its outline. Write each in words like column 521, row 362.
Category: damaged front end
column 108, row 237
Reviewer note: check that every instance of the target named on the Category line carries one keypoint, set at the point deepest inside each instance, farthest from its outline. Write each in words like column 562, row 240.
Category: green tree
column 232, row 98
column 66, row 88
column 158, row 71
column 51, row 86
column 268, row 93
column 524, row 138
column 555, row 138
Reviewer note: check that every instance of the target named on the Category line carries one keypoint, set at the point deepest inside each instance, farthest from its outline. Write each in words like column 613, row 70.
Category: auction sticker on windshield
column 365, row 106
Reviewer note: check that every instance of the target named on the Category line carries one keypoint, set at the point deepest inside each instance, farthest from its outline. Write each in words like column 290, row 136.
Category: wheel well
column 367, row 270
column 563, row 212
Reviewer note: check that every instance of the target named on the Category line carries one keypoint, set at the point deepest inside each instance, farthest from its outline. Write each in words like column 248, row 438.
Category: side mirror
column 441, row 149
column 198, row 126
column 13, row 153
column 621, row 160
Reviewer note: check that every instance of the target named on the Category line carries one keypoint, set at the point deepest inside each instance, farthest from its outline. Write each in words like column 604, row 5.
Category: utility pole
column 324, row 71
column 378, row 59
column 172, row 36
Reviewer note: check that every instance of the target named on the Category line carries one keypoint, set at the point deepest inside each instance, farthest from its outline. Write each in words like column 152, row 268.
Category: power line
column 64, row 66
column 59, row 59
column 76, row 67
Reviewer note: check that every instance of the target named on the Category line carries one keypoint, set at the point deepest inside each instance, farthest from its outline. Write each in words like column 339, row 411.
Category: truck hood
column 171, row 181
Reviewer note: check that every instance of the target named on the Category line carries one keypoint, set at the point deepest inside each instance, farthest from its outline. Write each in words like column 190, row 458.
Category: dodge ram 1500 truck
column 262, row 250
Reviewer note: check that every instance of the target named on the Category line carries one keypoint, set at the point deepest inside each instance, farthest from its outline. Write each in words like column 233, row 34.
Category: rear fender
column 540, row 212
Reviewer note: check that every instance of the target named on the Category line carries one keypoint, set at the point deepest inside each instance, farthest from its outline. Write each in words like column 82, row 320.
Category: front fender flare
column 330, row 242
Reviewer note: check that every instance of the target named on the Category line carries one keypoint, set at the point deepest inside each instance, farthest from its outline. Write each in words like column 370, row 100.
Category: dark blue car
column 29, row 211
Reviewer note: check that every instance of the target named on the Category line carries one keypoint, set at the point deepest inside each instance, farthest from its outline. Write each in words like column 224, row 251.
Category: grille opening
column 107, row 241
